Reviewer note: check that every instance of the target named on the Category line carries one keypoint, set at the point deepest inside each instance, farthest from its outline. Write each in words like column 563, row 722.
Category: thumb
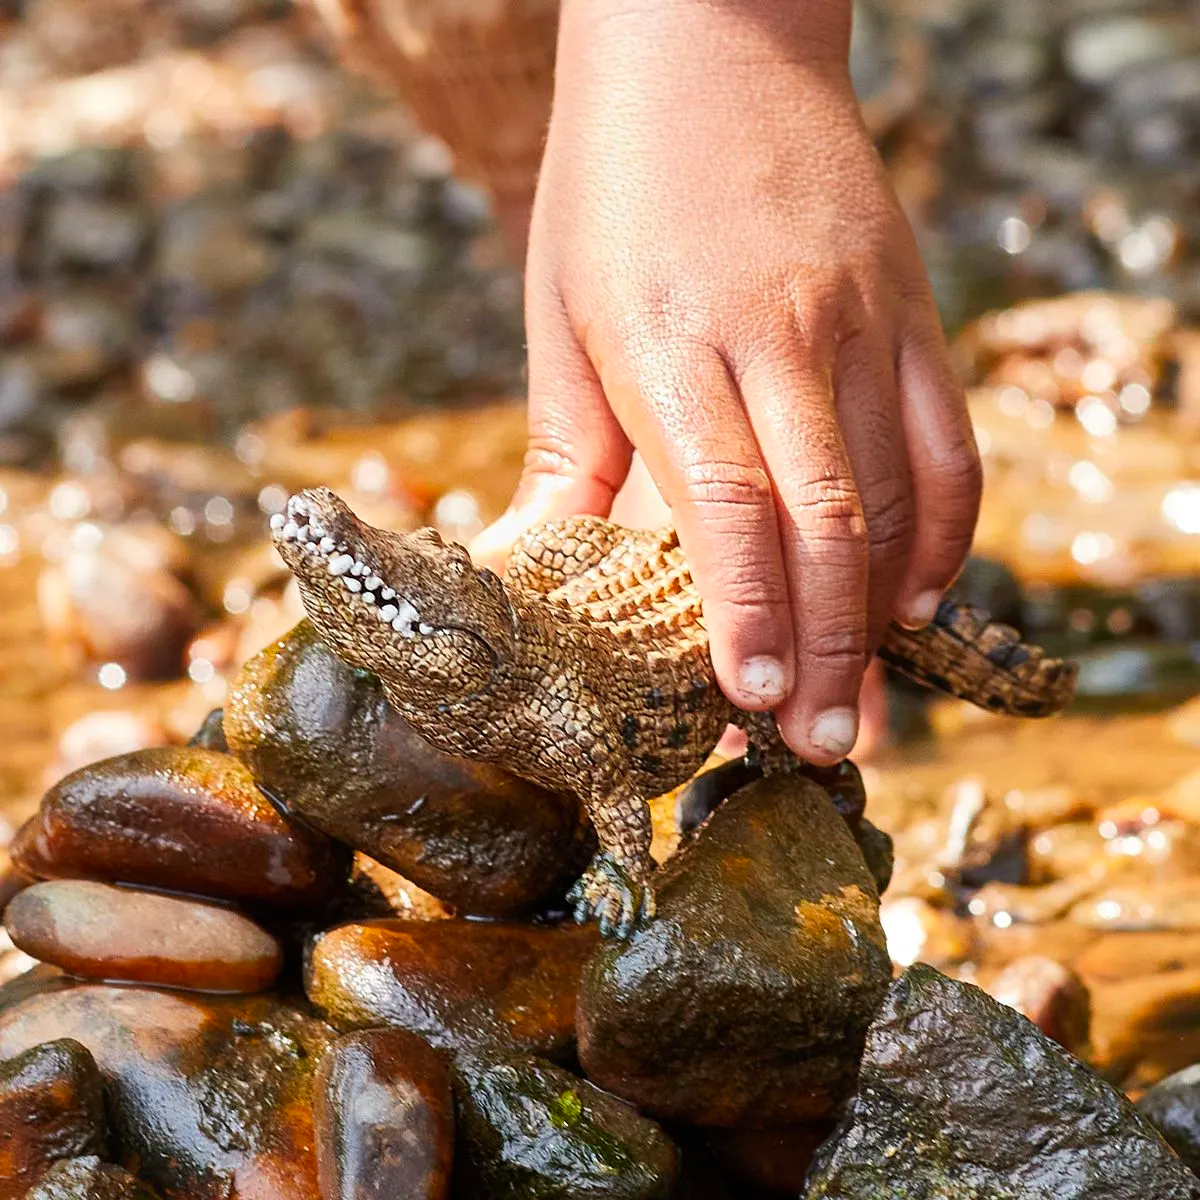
column 577, row 456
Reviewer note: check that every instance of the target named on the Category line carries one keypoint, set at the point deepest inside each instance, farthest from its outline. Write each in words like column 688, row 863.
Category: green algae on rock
column 321, row 737
column 208, row 1097
column 384, row 1117
column 88, row 1178
column 181, row 818
column 961, row 1097
column 747, row 999
column 98, row 931
column 529, row 1130
column 51, row 1107
column 457, row 984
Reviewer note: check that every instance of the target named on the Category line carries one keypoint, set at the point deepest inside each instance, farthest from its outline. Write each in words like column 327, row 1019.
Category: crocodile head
column 406, row 606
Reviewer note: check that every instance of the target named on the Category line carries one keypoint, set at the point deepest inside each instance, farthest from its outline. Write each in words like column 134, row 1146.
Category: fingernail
column 835, row 731
column 922, row 609
column 763, row 680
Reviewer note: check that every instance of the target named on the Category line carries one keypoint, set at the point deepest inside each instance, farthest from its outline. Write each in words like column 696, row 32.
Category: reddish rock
column 98, row 931
column 384, row 1115
column 208, row 1097
column 747, row 999
column 1051, row 995
column 181, row 818
column 455, row 983
column 51, row 1107
column 321, row 737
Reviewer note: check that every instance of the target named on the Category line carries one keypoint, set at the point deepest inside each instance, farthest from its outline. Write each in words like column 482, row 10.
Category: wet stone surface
column 1173, row 1108
column 51, row 1107
column 529, row 1130
column 180, row 818
column 1050, row 995
column 89, row 1179
column 321, row 737
column 746, row 1000
column 922, row 1125
column 457, row 984
column 209, row 1097
column 98, row 931
column 384, row 1115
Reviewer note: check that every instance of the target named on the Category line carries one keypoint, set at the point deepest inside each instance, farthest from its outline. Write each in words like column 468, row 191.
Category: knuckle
column 891, row 521
column 549, row 452
column 836, row 649
column 831, row 510
column 960, row 473
column 718, row 484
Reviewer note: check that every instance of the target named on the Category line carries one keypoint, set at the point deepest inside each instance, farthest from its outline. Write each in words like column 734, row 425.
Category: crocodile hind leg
column 615, row 890
column 766, row 748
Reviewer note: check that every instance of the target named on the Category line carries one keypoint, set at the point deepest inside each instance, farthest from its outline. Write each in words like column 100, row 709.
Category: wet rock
column 1098, row 51
column 746, row 1000
column 321, row 737
column 1173, row 1108
column 1127, row 675
column 89, row 1179
column 208, row 1097
column 115, row 599
column 775, row 1159
column 179, row 818
column 211, row 734
column 921, row 1124
column 384, row 1115
column 51, row 1107
column 529, row 1130
column 94, row 234
column 455, row 983
column 878, row 852
column 1050, row 995
column 98, row 931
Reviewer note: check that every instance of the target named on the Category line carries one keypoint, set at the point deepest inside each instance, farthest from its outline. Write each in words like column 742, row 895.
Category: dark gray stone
column 961, row 1098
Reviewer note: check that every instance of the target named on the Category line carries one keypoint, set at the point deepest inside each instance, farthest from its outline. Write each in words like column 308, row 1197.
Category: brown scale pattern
column 588, row 670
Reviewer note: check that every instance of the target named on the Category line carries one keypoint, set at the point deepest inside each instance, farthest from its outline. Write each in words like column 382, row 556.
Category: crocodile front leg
column 615, row 890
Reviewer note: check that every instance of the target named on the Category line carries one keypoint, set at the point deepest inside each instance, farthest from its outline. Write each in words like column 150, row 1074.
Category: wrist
column 807, row 33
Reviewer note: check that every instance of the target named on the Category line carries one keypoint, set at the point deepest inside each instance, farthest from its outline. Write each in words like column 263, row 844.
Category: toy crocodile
column 587, row 669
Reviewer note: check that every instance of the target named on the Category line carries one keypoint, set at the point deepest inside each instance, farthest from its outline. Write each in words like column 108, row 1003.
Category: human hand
column 720, row 276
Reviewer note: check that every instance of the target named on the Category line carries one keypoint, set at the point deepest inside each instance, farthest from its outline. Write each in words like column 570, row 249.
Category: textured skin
column 588, row 670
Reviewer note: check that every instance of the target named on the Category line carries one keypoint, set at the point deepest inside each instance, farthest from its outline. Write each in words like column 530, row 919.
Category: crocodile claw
column 607, row 893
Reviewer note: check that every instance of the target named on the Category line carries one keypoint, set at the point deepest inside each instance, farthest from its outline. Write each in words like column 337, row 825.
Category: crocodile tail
column 963, row 653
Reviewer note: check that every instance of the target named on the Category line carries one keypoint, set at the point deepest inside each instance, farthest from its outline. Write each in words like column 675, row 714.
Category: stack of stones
column 309, row 956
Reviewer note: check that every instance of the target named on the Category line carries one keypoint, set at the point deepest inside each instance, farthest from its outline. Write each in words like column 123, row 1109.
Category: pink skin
column 720, row 278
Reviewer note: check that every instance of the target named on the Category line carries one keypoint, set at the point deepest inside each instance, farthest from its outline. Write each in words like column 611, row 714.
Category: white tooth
column 302, row 534
column 311, row 548
column 290, row 530
column 317, row 528
column 352, row 584
column 340, row 565
column 388, row 611
column 358, row 569
column 425, row 629
column 387, row 593
column 326, row 544
column 369, row 597
column 374, row 582
column 406, row 619
column 277, row 521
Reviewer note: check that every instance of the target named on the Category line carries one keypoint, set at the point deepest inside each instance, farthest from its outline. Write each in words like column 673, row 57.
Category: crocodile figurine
column 587, row 668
